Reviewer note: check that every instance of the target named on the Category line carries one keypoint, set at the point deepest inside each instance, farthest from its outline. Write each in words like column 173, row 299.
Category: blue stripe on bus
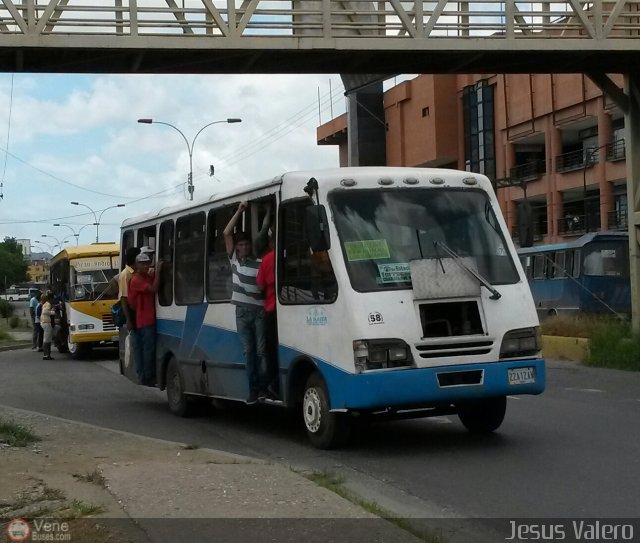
column 415, row 387
column 411, row 387
column 192, row 327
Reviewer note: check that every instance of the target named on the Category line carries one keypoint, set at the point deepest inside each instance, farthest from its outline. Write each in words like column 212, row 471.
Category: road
column 571, row 452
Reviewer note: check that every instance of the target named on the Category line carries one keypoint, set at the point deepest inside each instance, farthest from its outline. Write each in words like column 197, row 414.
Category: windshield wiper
column 495, row 295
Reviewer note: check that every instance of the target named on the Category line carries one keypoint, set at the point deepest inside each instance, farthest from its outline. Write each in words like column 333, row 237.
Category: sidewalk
column 136, row 489
column 19, row 341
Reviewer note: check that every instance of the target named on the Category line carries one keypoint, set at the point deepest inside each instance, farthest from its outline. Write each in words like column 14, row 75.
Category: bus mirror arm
column 495, row 295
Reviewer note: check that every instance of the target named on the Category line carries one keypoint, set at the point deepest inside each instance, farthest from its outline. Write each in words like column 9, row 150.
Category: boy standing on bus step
column 247, row 298
column 142, row 299
column 266, row 280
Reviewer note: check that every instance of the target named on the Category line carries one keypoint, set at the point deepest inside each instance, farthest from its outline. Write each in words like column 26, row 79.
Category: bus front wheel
column 179, row 403
column 326, row 430
column 78, row 350
column 483, row 416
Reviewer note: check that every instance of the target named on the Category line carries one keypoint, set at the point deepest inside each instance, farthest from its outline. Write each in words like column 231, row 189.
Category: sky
column 67, row 138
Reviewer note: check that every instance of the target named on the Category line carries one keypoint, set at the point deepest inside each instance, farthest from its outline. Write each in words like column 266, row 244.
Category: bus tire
column 179, row 403
column 78, row 350
column 483, row 416
column 552, row 313
column 325, row 430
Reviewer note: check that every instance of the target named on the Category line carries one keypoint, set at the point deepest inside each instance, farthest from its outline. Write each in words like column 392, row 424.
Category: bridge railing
column 418, row 20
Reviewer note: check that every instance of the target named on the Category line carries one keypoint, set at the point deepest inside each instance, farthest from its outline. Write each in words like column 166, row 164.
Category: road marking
column 584, row 389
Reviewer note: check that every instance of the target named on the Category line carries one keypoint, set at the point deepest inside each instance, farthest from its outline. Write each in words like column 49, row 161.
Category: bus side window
column 539, row 267
column 189, row 259
column 219, row 280
column 165, row 253
column 559, row 268
column 303, row 277
column 147, row 237
column 127, row 242
column 576, row 263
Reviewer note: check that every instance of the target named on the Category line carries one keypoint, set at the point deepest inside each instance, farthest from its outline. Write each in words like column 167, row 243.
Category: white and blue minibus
column 399, row 293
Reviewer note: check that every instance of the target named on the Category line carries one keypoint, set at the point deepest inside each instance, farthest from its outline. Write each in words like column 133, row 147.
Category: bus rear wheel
column 179, row 403
column 483, row 416
column 325, row 430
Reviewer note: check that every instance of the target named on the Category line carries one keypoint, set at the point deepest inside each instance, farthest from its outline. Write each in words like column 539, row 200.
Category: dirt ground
column 60, row 475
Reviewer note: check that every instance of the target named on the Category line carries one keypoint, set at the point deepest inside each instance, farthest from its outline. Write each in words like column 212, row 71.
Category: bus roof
column 577, row 243
column 334, row 175
column 93, row 249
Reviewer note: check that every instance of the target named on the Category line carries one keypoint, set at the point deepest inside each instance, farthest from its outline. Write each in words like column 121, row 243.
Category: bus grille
column 107, row 323
column 454, row 349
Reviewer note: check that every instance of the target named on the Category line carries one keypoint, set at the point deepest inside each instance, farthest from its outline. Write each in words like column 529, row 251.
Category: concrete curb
column 565, row 348
column 14, row 347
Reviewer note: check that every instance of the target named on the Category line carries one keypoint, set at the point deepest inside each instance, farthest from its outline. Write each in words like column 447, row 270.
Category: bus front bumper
column 424, row 387
column 93, row 337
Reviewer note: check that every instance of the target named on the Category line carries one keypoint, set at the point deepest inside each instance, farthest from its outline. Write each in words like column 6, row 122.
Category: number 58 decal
column 375, row 318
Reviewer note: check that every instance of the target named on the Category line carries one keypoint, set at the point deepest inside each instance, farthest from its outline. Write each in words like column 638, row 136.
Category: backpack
column 119, row 318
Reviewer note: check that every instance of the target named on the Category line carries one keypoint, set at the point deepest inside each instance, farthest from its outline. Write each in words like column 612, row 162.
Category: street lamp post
column 47, row 245
column 190, row 146
column 75, row 234
column 97, row 219
column 58, row 244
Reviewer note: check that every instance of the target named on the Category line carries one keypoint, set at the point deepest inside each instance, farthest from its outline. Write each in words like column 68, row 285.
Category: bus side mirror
column 317, row 228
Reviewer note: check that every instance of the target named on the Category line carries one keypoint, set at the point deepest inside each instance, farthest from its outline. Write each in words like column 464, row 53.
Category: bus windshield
column 381, row 231
column 90, row 278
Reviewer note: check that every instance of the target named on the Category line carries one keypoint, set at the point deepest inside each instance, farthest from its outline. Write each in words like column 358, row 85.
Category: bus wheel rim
column 312, row 410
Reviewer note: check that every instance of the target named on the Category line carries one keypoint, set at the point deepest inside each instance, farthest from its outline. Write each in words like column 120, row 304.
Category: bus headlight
column 521, row 342
column 86, row 326
column 378, row 354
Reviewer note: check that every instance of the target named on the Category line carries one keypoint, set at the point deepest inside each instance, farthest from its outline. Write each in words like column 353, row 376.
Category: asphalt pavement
column 571, row 452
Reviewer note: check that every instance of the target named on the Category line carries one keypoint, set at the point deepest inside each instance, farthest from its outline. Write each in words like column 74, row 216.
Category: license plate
column 522, row 376
column 115, row 338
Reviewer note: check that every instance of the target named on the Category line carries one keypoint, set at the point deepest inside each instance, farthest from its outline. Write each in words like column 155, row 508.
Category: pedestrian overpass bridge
column 316, row 36
column 352, row 37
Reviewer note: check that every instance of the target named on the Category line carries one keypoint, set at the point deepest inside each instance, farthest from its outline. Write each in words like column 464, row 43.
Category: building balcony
column 577, row 160
column 539, row 232
column 616, row 151
column 617, row 220
column 575, row 225
column 530, row 171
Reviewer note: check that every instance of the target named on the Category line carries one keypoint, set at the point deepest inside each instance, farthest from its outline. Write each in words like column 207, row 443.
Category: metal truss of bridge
column 356, row 36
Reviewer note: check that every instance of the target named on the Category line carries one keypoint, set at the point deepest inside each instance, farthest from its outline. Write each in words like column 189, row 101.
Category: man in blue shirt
column 36, row 338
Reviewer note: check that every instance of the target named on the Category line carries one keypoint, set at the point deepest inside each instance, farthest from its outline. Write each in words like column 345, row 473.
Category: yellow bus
column 82, row 282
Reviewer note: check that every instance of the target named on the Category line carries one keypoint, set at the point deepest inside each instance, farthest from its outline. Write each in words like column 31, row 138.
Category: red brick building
column 556, row 137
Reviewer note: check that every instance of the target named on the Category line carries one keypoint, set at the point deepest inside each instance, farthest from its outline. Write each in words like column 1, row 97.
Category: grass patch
column 584, row 326
column 335, row 483
column 94, row 477
column 16, row 435
column 80, row 508
column 52, row 494
column 614, row 346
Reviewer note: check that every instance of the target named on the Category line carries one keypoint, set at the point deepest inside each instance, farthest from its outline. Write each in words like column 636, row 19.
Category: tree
column 13, row 266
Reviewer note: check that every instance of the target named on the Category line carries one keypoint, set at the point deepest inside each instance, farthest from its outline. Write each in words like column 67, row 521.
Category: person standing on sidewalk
column 47, row 329
column 247, row 298
column 142, row 298
column 36, row 338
